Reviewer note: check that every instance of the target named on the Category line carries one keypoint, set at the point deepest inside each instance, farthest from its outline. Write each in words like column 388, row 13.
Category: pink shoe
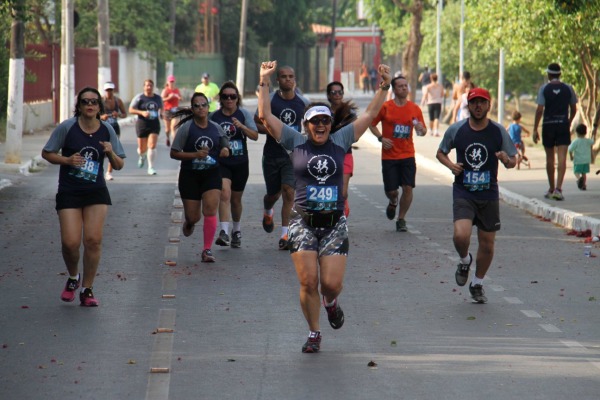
column 87, row 299
column 68, row 293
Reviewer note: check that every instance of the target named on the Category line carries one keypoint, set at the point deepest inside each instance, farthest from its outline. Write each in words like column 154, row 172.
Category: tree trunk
column 410, row 55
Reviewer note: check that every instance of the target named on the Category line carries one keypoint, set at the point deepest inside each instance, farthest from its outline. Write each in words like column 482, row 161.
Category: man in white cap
column 210, row 90
column 557, row 103
column 113, row 109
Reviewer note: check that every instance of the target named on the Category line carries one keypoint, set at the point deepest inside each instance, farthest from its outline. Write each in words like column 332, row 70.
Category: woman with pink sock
column 198, row 144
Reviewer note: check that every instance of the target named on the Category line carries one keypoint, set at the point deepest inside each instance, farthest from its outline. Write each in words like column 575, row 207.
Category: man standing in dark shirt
column 557, row 103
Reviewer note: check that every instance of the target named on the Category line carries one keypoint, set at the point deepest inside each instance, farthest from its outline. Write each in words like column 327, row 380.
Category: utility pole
column 104, row 72
column 461, row 61
column 16, row 81
column 332, row 43
column 438, row 57
column 67, row 53
column 241, row 63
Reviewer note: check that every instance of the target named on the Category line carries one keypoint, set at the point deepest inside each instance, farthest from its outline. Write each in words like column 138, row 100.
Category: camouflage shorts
column 325, row 241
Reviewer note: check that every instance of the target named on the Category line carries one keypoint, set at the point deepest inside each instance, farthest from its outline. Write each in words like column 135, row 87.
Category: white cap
column 317, row 110
column 109, row 85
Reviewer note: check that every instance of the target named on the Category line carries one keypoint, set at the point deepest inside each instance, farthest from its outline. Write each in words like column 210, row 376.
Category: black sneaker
column 223, row 239
column 462, row 272
column 313, row 343
column 390, row 211
column 284, row 243
column 478, row 294
column 236, row 239
column 335, row 315
column 401, row 225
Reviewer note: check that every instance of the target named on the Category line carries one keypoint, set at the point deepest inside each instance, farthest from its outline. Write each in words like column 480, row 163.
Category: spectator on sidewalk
column 480, row 144
column 515, row 130
column 425, row 77
column 580, row 152
column 557, row 104
column 433, row 96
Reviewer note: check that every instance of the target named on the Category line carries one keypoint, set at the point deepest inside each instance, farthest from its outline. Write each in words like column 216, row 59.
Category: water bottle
column 415, row 122
column 587, row 250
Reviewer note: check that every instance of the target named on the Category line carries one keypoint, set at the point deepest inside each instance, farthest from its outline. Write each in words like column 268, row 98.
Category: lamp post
column 332, row 43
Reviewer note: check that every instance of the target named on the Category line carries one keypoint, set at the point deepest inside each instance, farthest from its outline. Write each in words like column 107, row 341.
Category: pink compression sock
column 209, row 229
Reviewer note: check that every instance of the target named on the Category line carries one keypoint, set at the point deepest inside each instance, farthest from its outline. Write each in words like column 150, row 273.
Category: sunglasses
column 200, row 105
column 232, row 96
column 323, row 120
column 89, row 102
column 336, row 92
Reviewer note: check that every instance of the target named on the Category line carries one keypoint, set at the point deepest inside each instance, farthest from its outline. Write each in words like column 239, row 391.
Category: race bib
column 321, row 198
column 203, row 163
column 111, row 120
column 476, row 180
column 87, row 172
column 401, row 131
column 237, row 147
column 152, row 114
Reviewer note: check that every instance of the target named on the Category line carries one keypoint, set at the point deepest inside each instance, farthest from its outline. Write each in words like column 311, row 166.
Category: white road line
column 513, row 300
column 550, row 328
column 495, row 288
column 572, row 344
column 531, row 313
column 158, row 383
column 177, row 217
column 171, row 252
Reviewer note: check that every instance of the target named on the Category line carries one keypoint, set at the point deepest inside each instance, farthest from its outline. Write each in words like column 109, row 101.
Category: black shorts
column 485, row 214
column 398, row 173
column 193, row 184
column 143, row 128
column 435, row 110
column 238, row 175
column 277, row 171
column 82, row 198
column 117, row 129
column 556, row 135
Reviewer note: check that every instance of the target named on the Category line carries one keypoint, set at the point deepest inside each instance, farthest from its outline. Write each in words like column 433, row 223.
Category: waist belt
column 319, row 220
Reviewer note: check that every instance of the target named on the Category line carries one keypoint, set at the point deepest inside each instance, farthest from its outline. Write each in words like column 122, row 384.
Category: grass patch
column 2, row 129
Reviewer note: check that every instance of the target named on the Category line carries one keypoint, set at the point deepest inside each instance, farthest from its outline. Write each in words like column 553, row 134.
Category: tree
column 539, row 32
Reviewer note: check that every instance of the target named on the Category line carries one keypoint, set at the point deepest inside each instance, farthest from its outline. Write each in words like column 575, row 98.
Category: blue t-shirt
column 319, row 170
column 476, row 150
column 69, row 138
column 291, row 113
column 237, row 139
column 514, row 131
column 151, row 104
column 191, row 138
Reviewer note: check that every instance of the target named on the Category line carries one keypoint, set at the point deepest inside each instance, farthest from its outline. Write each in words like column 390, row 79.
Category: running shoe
column 557, row 195
column 68, row 293
column 268, row 223
column 141, row 161
column 283, row 242
column 168, row 143
column 335, row 315
column 108, row 176
column 313, row 343
column 236, row 239
column 548, row 194
column 580, row 182
column 401, row 225
column 187, row 229
column 151, row 171
column 477, row 294
column 390, row 211
column 462, row 272
column 207, row 256
column 87, row 299
column 223, row 239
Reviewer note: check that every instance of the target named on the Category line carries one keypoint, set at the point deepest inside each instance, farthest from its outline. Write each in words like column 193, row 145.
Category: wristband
column 380, row 138
column 383, row 86
column 263, row 84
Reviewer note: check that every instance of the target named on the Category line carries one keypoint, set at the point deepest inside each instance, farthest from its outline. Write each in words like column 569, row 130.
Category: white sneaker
column 151, row 171
column 108, row 176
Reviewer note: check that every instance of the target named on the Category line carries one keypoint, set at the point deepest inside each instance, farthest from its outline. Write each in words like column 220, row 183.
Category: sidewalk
column 521, row 188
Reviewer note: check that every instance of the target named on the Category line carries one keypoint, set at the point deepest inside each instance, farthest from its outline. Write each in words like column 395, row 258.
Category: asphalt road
column 234, row 329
